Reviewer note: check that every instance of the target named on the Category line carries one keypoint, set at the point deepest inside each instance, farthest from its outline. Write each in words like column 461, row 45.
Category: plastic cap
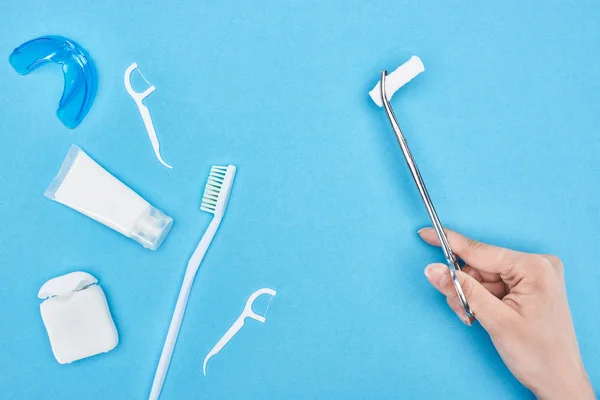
column 151, row 228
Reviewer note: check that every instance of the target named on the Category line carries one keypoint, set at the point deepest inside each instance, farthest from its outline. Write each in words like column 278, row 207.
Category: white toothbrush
column 214, row 201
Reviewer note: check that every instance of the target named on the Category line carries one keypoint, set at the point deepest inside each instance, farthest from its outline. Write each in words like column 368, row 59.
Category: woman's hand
column 521, row 301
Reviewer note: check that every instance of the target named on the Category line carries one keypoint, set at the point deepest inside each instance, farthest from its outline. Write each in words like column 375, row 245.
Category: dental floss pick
column 214, row 201
column 239, row 323
column 144, row 112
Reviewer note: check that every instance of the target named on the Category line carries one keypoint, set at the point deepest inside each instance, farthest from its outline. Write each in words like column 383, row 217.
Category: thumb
column 489, row 310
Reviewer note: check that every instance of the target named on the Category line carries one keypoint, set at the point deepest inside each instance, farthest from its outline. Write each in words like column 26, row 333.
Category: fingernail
column 434, row 273
column 465, row 319
column 420, row 231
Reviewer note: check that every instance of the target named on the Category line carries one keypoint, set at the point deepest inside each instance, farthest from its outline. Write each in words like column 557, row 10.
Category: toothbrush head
column 218, row 189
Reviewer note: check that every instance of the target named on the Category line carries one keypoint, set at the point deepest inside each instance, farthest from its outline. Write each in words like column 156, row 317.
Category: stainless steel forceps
column 451, row 259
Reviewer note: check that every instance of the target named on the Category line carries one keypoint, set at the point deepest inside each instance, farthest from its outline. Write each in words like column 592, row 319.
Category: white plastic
column 83, row 185
column 239, row 323
column 66, row 285
column 400, row 77
column 144, row 112
column 151, row 228
column 77, row 317
column 214, row 200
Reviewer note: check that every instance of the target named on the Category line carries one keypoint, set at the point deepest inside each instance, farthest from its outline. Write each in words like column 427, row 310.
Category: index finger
column 482, row 256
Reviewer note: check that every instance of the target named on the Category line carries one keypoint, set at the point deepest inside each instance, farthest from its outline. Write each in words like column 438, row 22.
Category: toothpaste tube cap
column 151, row 228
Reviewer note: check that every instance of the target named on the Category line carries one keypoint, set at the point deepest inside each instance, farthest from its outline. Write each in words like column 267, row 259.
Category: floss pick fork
column 214, row 201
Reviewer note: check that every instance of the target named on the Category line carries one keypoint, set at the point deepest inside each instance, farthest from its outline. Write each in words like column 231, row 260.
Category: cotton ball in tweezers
column 77, row 317
column 400, row 77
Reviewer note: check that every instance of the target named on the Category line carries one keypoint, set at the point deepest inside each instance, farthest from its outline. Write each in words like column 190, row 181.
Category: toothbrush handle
column 184, row 293
column 200, row 251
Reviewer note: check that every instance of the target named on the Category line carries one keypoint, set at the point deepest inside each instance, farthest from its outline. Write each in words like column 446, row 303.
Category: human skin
column 521, row 301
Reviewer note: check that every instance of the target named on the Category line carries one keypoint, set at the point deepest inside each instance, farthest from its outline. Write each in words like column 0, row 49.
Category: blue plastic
column 81, row 81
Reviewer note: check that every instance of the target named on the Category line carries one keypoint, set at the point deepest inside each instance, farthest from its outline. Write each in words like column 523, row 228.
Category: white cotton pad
column 400, row 77
column 77, row 318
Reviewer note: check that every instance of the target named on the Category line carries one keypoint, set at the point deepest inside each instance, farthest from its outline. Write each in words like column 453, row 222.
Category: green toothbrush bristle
column 213, row 188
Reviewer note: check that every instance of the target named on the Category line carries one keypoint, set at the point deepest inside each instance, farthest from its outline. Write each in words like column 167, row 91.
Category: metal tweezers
column 451, row 259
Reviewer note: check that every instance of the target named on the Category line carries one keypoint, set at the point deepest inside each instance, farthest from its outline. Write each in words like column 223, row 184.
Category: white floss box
column 77, row 317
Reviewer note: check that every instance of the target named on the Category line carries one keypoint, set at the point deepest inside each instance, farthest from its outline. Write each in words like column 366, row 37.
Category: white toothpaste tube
column 83, row 185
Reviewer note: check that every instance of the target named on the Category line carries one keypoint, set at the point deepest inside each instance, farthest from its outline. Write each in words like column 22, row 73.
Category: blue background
column 504, row 124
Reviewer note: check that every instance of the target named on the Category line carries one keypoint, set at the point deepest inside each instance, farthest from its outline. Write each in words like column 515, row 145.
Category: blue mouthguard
column 81, row 81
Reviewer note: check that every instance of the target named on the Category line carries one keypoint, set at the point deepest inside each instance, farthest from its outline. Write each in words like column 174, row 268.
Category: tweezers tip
column 382, row 87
